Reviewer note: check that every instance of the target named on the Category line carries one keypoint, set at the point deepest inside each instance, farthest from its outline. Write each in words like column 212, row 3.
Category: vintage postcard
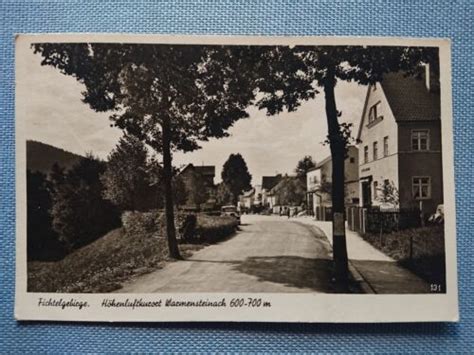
column 221, row 178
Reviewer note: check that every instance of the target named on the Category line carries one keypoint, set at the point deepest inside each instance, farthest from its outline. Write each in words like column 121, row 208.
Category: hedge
column 190, row 228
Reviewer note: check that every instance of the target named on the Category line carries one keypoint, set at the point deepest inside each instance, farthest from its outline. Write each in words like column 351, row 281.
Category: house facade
column 246, row 200
column 250, row 200
column 400, row 135
column 268, row 183
column 199, row 185
column 319, row 183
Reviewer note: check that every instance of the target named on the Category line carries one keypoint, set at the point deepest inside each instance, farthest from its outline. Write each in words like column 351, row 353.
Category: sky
column 50, row 107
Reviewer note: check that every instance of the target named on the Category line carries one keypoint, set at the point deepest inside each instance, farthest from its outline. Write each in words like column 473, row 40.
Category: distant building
column 199, row 184
column 268, row 183
column 258, row 195
column 400, row 131
column 247, row 200
column 319, row 183
column 289, row 192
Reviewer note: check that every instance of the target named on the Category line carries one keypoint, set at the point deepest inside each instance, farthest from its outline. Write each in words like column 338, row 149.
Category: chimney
column 431, row 79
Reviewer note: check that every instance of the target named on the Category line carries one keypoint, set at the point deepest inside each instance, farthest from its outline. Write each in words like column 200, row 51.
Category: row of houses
column 399, row 150
column 398, row 153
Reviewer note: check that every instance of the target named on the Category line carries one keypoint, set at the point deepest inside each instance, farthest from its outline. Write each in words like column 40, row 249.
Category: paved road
column 268, row 254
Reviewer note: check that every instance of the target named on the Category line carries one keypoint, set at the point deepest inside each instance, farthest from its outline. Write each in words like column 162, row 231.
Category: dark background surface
column 449, row 19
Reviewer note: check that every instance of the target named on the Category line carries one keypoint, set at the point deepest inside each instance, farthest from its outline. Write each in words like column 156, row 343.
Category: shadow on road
column 295, row 271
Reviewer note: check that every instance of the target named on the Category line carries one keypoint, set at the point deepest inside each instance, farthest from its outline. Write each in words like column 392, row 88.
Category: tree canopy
column 290, row 191
column 126, row 179
column 79, row 212
column 168, row 96
column 201, row 90
column 304, row 165
column 235, row 174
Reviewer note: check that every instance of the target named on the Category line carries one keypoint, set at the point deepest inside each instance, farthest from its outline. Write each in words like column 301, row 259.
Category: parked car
column 230, row 210
column 438, row 216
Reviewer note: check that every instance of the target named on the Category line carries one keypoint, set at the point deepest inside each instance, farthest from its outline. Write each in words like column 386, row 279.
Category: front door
column 366, row 194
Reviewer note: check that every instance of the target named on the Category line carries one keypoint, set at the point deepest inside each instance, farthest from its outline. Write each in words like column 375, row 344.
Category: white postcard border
column 284, row 307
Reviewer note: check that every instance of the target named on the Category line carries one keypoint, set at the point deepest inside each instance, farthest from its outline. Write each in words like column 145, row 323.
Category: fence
column 371, row 220
column 323, row 213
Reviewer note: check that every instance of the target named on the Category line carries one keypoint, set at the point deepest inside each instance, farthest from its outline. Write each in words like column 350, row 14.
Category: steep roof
column 286, row 180
column 268, row 182
column 408, row 98
column 202, row 170
column 248, row 193
column 322, row 162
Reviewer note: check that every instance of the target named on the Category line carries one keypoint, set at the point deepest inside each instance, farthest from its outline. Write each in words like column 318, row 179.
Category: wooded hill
column 41, row 157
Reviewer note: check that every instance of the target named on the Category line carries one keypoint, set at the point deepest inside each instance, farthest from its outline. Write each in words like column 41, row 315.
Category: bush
column 79, row 212
column 190, row 228
column 42, row 241
column 146, row 223
column 389, row 221
column 212, row 229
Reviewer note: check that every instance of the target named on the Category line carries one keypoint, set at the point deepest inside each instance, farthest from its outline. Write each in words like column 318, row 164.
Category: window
column 352, row 160
column 421, row 187
column 376, row 151
column 374, row 113
column 420, row 139
column 385, row 146
column 376, row 187
column 366, row 154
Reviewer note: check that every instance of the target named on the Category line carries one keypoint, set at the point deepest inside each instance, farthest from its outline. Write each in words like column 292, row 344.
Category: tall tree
column 224, row 196
column 43, row 242
column 235, row 174
column 296, row 74
column 304, row 165
column 79, row 211
column 169, row 96
column 290, row 191
column 126, row 179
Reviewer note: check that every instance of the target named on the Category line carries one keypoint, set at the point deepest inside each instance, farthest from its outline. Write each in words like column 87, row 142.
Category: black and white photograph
column 171, row 168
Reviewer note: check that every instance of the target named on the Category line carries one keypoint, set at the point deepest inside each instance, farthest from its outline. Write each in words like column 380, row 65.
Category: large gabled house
column 400, row 134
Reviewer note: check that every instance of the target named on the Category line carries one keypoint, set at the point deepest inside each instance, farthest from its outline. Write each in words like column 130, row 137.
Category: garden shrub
column 147, row 223
column 190, row 228
column 212, row 229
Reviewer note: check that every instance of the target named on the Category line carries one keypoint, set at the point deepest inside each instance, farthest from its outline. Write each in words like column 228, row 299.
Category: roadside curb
column 359, row 279
column 356, row 275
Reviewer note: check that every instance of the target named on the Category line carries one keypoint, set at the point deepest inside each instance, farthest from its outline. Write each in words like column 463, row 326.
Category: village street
column 267, row 254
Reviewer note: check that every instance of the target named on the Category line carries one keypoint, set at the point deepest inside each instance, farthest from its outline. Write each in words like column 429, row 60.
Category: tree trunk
column 337, row 145
column 167, row 179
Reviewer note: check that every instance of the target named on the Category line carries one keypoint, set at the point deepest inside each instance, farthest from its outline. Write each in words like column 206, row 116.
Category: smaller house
column 319, row 184
column 268, row 183
column 246, row 200
column 288, row 193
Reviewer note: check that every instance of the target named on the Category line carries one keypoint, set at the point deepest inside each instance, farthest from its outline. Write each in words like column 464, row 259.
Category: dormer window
column 375, row 113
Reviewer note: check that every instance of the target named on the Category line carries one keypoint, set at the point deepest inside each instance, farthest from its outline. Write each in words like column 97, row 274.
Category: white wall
column 313, row 179
column 383, row 167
